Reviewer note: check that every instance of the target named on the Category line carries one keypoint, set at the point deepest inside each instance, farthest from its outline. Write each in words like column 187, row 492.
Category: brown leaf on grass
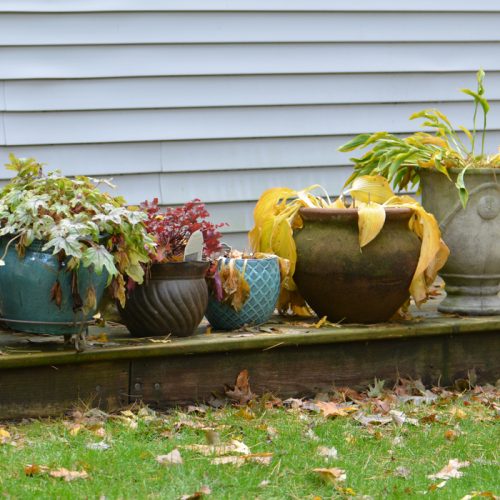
column 35, row 469
column 234, row 446
column 450, row 435
column 328, row 453
column 172, row 458
column 450, row 470
column 204, row 490
column 331, row 475
column 68, row 475
column 483, row 494
column 372, row 419
column 4, row 436
column 239, row 460
column 332, row 409
column 241, row 392
column 402, row 472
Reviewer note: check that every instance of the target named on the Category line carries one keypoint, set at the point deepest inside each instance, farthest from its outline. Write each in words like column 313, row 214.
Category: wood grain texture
column 306, row 370
column 53, row 390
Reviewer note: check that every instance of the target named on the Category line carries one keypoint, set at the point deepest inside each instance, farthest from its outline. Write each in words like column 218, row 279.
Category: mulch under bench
column 40, row 376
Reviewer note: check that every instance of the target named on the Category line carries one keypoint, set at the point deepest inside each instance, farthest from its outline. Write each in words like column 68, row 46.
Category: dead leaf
column 234, row 446
column 332, row 409
column 320, row 323
column 458, row 413
column 239, row 460
column 172, row 458
column 34, row 469
column 204, row 490
column 212, row 436
column 331, row 475
column 328, row 453
column 68, row 475
column 4, row 436
column 56, row 293
column 311, row 435
column 450, row 435
column 241, row 392
column 450, row 470
column 101, row 446
column 372, row 419
column 400, row 418
column 402, row 472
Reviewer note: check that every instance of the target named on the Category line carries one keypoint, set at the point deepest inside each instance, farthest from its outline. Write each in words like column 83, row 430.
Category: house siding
column 222, row 99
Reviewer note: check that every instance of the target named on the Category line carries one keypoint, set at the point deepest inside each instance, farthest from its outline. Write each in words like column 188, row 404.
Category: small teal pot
column 263, row 277
column 25, row 286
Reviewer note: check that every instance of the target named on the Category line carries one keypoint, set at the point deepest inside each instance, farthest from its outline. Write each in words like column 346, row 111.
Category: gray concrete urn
column 472, row 273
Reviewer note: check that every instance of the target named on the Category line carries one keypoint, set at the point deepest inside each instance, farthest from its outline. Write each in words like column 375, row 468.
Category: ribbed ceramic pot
column 472, row 272
column 25, row 292
column 263, row 277
column 172, row 300
column 344, row 283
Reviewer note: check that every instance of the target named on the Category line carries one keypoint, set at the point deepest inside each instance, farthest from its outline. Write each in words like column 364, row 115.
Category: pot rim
column 270, row 257
column 392, row 213
column 470, row 171
column 190, row 269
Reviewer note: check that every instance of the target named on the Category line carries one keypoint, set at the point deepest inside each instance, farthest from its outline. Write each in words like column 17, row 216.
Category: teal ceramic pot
column 263, row 277
column 25, row 286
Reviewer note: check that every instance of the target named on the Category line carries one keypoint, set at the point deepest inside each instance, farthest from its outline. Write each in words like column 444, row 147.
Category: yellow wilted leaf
column 371, row 219
column 283, row 244
column 368, row 188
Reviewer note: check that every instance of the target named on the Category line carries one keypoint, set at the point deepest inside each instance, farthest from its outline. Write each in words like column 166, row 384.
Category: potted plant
column 174, row 296
column 244, row 290
column 459, row 186
column 356, row 262
column 63, row 241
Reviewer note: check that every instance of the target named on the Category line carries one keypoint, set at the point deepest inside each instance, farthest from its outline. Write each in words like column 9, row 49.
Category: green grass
column 370, row 455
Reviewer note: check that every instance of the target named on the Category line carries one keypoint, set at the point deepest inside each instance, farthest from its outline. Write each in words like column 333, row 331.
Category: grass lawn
column 382, row 445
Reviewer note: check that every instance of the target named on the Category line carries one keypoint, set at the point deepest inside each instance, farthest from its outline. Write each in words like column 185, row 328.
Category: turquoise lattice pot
column 263, row 277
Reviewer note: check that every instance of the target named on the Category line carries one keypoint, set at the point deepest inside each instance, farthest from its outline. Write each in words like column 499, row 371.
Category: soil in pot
column 25, row 292
column 172, row 300
column 344, row 283
column 263, row 277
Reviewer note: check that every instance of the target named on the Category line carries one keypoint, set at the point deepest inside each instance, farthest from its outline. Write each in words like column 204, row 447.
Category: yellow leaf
column 331, row 475
column 368, row 188
column 371, row 219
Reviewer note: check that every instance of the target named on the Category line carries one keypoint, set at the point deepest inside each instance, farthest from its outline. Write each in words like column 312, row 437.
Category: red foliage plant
column 173, row 227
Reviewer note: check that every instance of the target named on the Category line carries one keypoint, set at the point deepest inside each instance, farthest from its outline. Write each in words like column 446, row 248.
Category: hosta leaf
column 371, row 219
column 368, row 188
column 100, row 258
column 283, row 244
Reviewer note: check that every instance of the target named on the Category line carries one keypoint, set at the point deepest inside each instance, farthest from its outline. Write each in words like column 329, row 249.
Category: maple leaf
column 172, row 458
column 450, row 470
column 241, row 392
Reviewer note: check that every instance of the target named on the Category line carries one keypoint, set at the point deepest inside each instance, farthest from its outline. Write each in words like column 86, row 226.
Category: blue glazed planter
column 263, row 276
column 25, row 286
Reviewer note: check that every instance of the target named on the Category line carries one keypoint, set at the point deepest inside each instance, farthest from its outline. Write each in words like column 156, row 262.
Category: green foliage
column 76, row 220
column 401, row 159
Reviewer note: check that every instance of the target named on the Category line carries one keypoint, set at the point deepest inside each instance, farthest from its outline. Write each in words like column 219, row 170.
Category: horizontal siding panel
column 218, row 123
column 231, row 186
column 164, row 60
column 234, row 27
column 251, row 90
column 244, row 5
column 193, row 156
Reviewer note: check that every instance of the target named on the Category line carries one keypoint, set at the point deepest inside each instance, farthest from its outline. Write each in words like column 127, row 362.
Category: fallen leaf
column 234, row 446
column 4, row 436
column 400, row 418
column 241, row 392
column 34, row 469
column 264, row 483
column 332, row 409
column 239, row 460
column 450, row 435
column 328, row 452
column 331, row 475
column 320, row 323
column 458, row 413
column 402, row 472
column 101, row 446
column 68, row 475
column 311, row 435
column 172, row 458
column 372, row 419
column 450, row 470
column 204, row 490
column 212, row 436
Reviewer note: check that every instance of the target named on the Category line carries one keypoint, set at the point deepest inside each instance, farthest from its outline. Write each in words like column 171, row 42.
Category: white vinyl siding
column 222, row 99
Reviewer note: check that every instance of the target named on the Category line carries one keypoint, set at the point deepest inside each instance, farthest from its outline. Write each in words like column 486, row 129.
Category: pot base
column 470, row 300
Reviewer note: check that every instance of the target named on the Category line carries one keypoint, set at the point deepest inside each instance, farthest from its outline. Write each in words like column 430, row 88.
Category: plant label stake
column 194, row 246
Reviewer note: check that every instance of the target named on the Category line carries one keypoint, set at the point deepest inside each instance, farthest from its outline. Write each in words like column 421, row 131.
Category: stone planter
column 472, row 273
column 172, row 300
column 344, row 283
column 25, row 291
column 263, row 277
